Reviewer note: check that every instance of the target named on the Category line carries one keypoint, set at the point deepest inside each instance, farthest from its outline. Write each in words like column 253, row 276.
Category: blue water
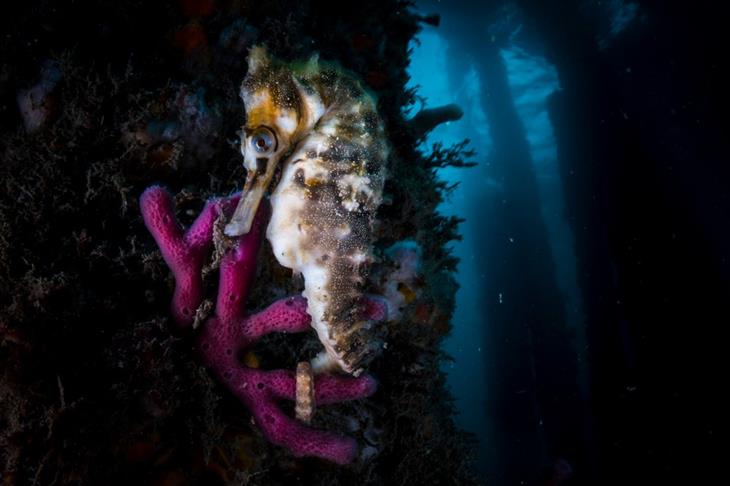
column 531, row 80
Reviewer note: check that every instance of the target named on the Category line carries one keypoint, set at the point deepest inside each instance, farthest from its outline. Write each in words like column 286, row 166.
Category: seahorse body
column 331, row 145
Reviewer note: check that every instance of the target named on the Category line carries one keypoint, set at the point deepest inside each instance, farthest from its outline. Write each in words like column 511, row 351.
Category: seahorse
column 313, row 125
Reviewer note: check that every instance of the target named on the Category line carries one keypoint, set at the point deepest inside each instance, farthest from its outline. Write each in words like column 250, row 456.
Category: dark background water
column 594, row 266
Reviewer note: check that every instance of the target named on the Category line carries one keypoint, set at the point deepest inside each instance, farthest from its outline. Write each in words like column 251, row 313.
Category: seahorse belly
column 321, row 226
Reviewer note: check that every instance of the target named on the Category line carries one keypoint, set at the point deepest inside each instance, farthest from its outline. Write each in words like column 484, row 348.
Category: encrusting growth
column 229, row 331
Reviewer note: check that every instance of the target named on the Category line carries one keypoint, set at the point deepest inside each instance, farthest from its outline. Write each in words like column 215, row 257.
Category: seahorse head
column 281, row 108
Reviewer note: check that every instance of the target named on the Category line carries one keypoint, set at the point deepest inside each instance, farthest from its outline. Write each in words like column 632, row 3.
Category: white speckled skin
column 332, row 154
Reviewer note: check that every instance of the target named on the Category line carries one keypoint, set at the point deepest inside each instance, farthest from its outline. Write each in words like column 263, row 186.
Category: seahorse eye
column 263, row 141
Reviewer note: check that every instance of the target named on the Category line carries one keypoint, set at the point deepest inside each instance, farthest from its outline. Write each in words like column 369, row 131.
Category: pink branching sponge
column 229, row 331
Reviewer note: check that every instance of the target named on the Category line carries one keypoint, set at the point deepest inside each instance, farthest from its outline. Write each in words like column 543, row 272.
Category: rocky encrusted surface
column 100, row 99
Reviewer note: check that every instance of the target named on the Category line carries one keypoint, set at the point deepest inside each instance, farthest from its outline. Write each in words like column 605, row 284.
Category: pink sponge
column 183, row 251
column 229, row 331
